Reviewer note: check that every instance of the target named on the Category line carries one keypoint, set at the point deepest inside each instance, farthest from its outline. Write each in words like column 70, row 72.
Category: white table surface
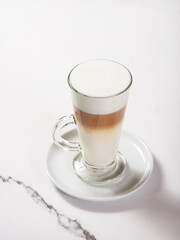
column 40, row 41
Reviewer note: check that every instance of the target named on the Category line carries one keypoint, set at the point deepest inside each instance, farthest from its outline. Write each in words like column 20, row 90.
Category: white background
column 40, row 41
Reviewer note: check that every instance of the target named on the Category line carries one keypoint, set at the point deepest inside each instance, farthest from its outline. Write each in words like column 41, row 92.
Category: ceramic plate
column 139, row 167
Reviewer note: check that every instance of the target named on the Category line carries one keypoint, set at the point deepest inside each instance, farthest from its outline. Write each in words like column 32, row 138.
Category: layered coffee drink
column 99, row 92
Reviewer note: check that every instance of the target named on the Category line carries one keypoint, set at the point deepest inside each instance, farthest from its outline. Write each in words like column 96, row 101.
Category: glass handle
column 57, row 131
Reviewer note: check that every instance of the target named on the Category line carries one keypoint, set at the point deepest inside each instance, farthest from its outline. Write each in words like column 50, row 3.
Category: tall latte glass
column 99, row 90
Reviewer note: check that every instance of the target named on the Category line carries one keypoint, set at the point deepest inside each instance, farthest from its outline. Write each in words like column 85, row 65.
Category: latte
column 99, row 92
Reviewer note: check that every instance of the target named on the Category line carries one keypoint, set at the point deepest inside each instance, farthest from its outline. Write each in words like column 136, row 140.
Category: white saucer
column 139, row 167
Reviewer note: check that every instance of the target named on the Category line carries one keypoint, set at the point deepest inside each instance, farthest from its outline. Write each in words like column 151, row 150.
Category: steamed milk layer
column 99, row 108
column 99, row 135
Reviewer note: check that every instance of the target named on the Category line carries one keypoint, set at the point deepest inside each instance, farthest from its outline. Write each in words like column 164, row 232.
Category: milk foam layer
column 100, row 78
column 97, row 86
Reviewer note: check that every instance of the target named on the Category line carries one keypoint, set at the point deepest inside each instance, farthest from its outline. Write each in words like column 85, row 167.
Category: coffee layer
column 94, row 121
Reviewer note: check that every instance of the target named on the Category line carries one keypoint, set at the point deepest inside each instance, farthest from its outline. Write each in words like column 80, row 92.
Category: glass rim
column 85, row 95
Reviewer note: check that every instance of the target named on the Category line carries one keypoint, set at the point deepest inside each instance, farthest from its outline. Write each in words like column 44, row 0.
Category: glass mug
column 99, row 91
